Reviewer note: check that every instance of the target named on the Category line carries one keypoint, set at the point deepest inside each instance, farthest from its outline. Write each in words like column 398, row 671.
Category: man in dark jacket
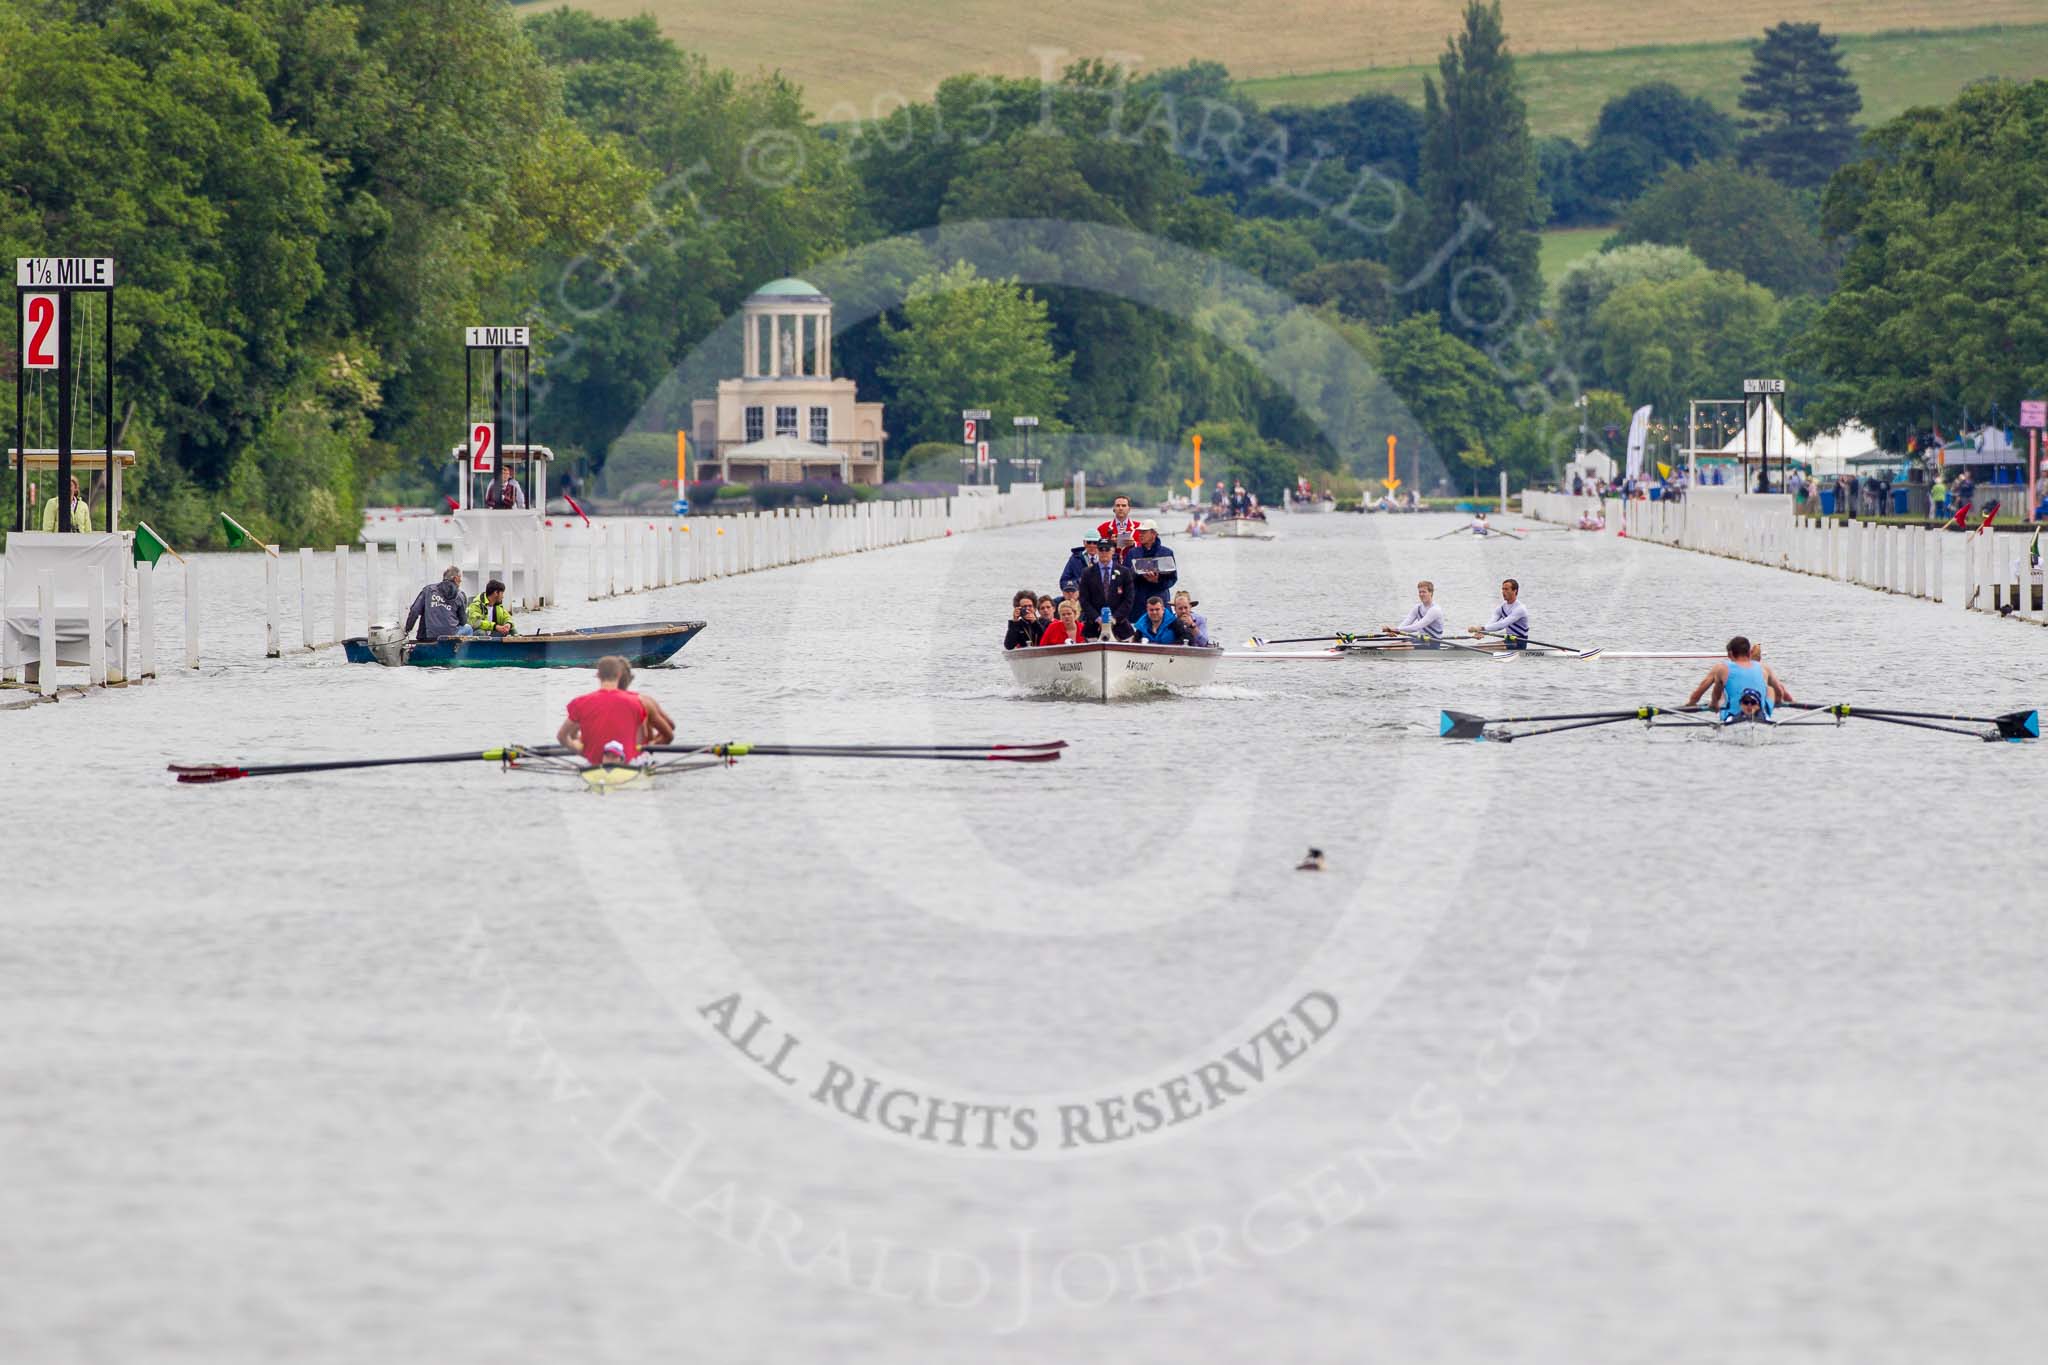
column 1153, row 571
column 1106, row 585
column 1078, row 561
column 451, row 579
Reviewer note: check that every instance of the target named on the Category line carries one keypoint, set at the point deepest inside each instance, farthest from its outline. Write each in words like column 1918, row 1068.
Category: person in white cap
column 1153, row 571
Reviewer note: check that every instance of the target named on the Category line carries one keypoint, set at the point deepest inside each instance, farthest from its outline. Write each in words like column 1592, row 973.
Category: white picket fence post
column 96, row 624
column 145, row 607
column 46, row 633
column 340, row 593
column 273, row 623
column 372, row 598
column 191, row 613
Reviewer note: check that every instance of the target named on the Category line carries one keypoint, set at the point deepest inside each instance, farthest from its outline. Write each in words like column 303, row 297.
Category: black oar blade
column 2015, row 726
column 1460, row 725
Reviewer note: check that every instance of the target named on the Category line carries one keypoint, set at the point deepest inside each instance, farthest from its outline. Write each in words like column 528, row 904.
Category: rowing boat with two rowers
column 1420, row 635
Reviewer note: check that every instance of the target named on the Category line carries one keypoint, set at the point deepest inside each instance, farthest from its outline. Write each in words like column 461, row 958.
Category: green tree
column 1677, row 126
column 1560, row 172
column 1939, row 296
column 1470, row 250
column 1452, row 393
column 143, row 134
column 1735, row 220
column 1586, row 283
column 1698, row 336
column 1801, row 105
column 1361, row 291
column 706, row 218
column 969, row 342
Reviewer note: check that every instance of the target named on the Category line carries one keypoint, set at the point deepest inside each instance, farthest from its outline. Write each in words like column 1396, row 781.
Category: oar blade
column 2015, row 726
column 1460, row 725
column 194, row 773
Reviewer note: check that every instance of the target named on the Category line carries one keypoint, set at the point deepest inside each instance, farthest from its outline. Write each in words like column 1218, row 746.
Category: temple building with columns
column 786, row 418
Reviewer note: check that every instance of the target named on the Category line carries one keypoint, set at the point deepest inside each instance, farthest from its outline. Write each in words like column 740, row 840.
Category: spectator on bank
column 1937, row 497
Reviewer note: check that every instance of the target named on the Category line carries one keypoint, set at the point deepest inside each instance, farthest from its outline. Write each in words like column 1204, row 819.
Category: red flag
column 451, row 503
column 578, row 510
column 1989, row 513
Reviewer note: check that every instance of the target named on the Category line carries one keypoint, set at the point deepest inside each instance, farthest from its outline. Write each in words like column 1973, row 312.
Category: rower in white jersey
column 1739, row 678
column 1424, row 622
column 1510, row 623
column 1479, row 526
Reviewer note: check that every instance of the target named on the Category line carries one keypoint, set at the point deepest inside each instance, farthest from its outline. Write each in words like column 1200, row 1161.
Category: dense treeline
column 308, row 197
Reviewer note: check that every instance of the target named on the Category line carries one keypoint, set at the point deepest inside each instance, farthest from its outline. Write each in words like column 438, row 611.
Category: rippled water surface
column 1645, row 1049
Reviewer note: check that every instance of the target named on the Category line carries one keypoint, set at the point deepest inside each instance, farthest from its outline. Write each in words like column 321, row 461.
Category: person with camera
column 1024, row 624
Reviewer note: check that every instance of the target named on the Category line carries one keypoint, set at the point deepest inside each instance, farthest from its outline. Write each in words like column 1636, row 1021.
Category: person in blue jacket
column 1154, row 626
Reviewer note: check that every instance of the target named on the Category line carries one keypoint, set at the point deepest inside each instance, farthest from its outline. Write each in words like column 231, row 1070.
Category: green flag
column 2034, row 551
column 149, row 546
column 238, row 535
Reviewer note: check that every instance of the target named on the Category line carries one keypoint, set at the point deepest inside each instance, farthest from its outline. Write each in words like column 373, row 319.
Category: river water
column 1603, row 1046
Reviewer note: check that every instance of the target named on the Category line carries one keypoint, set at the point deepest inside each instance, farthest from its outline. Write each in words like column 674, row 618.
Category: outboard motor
column 389, row 644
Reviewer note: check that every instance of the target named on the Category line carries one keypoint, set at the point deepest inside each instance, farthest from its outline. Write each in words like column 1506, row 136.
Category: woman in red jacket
column 1067, row 629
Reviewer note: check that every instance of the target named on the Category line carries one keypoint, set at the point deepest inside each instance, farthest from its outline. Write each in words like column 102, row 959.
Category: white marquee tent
column 1826, row 455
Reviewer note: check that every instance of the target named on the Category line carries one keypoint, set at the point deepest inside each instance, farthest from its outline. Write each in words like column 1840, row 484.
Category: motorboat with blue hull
column 642, row 645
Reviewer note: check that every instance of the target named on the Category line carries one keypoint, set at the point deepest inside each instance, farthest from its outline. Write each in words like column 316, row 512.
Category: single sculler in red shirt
column 609, row 716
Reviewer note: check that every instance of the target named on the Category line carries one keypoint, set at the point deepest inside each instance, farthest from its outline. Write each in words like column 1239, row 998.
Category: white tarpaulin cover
column 74, row 559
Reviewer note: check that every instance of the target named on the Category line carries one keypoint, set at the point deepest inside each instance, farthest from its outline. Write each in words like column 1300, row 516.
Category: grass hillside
column 865, row 55
column 1561, row 246
column 1566, row 89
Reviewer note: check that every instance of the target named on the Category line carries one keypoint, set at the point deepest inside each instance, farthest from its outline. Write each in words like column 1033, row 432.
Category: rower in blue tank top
column 1742, row 674
column 1745, row 679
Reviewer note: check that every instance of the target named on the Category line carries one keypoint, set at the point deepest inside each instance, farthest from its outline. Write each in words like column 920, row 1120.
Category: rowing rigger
column 678, row 758
column 2012, row 727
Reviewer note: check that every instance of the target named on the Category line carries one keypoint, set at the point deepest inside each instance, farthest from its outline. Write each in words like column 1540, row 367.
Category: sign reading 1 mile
column 496, row 338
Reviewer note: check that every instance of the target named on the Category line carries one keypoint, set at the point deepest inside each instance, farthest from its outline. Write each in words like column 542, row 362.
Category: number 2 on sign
column 39, row 322
column 483, row 453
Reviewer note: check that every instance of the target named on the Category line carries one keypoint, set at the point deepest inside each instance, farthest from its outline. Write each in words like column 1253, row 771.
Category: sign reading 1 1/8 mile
column 64, row 272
